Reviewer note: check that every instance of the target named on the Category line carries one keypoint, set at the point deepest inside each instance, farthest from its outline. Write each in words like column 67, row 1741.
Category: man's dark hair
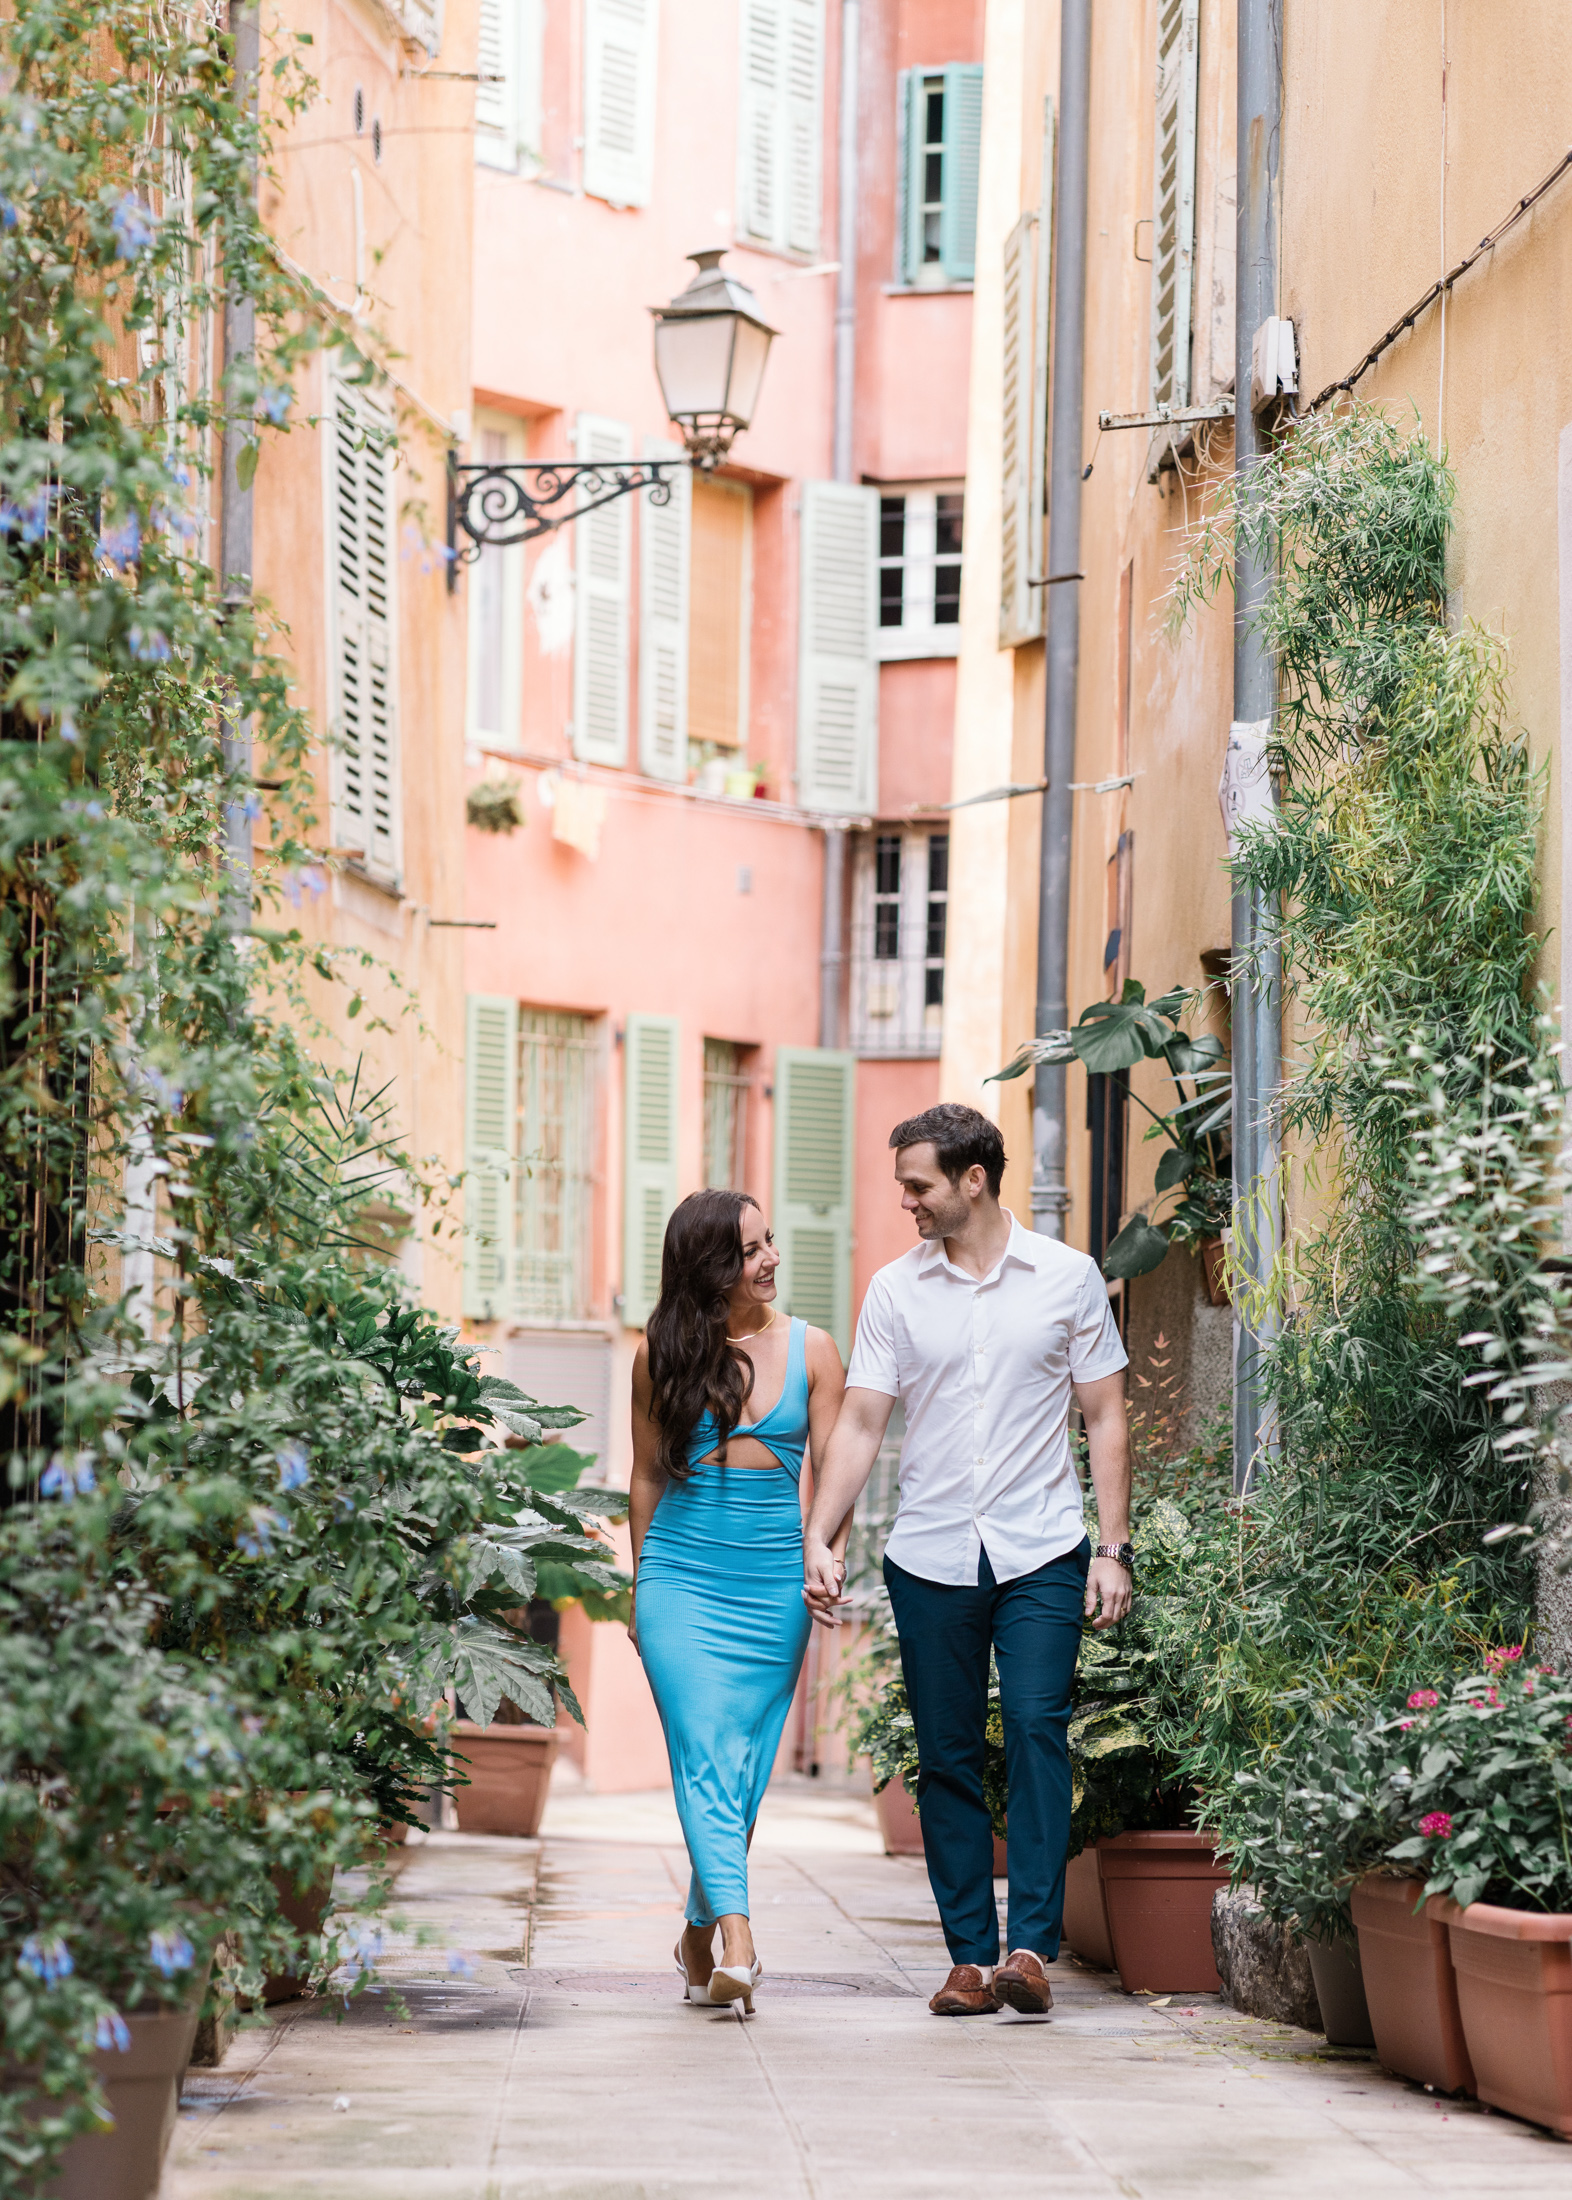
column 961, row 1138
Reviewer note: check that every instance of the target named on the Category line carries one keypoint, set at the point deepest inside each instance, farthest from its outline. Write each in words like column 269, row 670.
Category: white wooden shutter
column 665, row 551
column 620, row 48
column 600, row 633
column 901, row 271
column 490, row 1108
column 963, row 89
column 815, row 1090
column 913, row 123
column 496, row 102
column 651, row 1067
column 804, row 132
column 1173, row 200
column 1020, row 607
column 364, row 703
column 838, row 673
column 760, row 121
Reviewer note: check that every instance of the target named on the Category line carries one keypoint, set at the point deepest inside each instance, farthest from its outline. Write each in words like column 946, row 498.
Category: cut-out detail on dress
column 783, row 1431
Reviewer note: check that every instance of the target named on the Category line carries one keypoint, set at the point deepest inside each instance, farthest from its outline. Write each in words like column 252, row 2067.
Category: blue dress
column 722, row 1631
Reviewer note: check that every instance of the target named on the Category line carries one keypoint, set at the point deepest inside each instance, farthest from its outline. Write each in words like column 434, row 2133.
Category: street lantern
column 711, row 343
column 710, row 349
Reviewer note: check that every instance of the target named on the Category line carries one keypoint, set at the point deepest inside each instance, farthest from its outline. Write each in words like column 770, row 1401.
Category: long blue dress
column 722, row 1631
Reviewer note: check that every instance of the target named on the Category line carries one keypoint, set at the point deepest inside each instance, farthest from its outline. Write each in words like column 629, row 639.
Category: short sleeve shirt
column 984, row 1371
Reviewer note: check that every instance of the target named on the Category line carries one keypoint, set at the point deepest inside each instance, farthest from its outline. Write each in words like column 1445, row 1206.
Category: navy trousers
column 1033, row 1627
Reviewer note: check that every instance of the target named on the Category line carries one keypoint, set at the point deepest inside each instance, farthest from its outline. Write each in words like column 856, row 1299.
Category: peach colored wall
column 887, row 1092
column 916, row 734
column 417, row 202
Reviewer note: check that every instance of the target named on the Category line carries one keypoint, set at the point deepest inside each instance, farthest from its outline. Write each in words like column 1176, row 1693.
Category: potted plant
column 1489, row 1806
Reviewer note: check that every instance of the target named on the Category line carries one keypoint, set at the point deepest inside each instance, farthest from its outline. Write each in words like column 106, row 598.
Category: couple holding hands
column 982, row 1330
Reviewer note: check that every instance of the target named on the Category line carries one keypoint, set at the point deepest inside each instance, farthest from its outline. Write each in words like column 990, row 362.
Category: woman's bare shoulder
column 641, row 1368
column 823, row 1354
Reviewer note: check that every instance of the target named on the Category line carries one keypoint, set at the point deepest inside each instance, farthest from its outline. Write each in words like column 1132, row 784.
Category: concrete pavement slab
column 558, row 2061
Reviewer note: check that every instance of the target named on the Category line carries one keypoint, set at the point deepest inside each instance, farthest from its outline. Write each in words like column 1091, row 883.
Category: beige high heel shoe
column 735, row 1982
column 690, row 1992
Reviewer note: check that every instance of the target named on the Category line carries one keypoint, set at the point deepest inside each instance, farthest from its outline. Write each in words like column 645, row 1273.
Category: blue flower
column 132, row 225
column 171, row 1953
column 119, row 545
column 274, row 405
column 48, row 1961
column 366, row 1942
column 170, row 1097
column 148, row 646
column 112, row 2030
column 343, row 1504
column 293, row 1469
column 30, row 518
column 311, row 877
column 70, row 732
column 461, row 1965
column 7, row 214
column 257, row 1540
column 251, row 808
column 68, row 1479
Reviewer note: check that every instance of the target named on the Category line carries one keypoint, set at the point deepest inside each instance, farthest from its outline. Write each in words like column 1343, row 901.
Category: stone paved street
column 568, row 2067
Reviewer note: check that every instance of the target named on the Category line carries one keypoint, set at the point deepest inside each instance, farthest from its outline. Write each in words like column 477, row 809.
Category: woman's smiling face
column 760, row 1259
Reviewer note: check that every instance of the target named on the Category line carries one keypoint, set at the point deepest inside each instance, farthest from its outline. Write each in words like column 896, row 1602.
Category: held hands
column 1108, row 1584
column 824, row 1576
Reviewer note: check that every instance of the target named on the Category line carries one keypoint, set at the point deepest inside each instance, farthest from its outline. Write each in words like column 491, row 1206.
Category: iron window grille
column 726, row 1086
column 899, row 941
column 558, row 1059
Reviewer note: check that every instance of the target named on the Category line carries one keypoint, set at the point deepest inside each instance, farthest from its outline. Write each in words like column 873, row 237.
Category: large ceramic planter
column 1340, row 1990
column 143, row 2085
column 1514, row 1993
column 1086, row 1912
column 509, row 1774
column 902, row 1828
column 1158, row 1888
column 305, row 1908
column 1406, row 1959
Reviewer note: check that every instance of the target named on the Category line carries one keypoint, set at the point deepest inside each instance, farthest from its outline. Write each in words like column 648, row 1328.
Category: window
column 508, row 96
column 920, row 571
column 780, row 133
column 901, row 888
column 363, row 684
column 496, row 594
column 941, row 143
column 726, row 1084
column 554, row 1178
column 1173, row 200
column 720, row 615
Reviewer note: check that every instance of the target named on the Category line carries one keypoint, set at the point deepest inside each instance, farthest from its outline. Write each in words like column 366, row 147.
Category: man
column 982, row 1332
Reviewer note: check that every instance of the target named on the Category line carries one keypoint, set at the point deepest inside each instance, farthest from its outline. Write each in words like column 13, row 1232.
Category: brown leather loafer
column 965, row 1993
column 1023, row 1982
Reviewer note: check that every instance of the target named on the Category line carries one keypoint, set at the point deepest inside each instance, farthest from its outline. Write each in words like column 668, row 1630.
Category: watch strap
column 1123, row 1552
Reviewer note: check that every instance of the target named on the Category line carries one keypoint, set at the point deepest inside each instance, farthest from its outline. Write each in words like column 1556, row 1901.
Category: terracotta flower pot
column 902, row 1828
column 1340, row 1990
column 305, row 1908
column 1514, row 1993
column 1158, row 1888
column 1085, row 1910
column 1406, row 1960
column 143, row 2086
column 1214, row 1272
column 509, row 1773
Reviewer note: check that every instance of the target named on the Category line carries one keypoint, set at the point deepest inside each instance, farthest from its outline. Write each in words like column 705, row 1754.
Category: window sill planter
column 1158, row 1888
column 1340, row 1990
column 902, row 1828
column 1086, row 1911
column 509, row 1773
column 1514, row 1992
column 1410, row 1985
column 143, row 2086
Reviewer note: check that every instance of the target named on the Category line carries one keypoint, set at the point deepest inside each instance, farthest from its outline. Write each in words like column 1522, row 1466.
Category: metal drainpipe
column 1050, row 1197
column 235, row 503
column 1257, row 998
column 832, row 956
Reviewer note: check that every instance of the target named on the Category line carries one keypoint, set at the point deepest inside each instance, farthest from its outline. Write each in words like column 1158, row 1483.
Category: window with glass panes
column 901, row 883
column 726, row 1083
column 554, row 1176
column 920, row 535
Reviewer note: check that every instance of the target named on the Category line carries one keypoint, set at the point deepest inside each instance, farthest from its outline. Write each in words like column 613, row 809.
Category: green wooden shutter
column 650, row 1087
column 665, row 552
column 602, row 543
column 490, row 1107
column 1173, row 200
column 815, row 1092
column 963, row 86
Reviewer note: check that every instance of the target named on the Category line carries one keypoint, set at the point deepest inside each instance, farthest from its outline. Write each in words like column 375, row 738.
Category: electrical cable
column 1440, row 288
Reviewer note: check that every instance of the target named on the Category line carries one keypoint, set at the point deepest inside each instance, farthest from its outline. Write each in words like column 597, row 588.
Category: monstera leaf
column 1140, row 1247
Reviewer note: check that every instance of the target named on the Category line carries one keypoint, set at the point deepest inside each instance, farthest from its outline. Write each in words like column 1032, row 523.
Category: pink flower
column 1403, row 1725
column 1423, row 1699
column 1497, row 1660
column 1436, row 1825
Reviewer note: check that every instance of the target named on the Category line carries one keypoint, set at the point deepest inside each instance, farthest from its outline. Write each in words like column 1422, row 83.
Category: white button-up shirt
column 983, row 1370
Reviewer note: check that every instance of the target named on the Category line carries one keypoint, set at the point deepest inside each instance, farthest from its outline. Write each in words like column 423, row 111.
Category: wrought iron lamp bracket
column 496, row 506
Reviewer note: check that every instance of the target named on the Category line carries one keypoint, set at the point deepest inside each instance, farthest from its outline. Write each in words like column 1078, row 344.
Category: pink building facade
column 702, row 710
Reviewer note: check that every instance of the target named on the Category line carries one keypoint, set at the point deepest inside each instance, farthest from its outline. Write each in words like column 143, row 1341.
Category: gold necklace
column 752, row 1333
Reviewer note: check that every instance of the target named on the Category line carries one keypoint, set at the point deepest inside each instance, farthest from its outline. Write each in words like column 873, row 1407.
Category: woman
column 717, row 1506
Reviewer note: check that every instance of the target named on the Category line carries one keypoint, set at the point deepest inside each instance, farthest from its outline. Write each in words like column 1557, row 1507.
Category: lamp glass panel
column 692, row 358
column 747, row 371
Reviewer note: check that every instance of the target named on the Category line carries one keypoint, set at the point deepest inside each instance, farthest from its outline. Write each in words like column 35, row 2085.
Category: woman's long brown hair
column 693, row 1370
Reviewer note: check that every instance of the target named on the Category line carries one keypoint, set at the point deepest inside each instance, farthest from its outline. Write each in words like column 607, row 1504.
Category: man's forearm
column 848, row 1462
column 1108, row 1451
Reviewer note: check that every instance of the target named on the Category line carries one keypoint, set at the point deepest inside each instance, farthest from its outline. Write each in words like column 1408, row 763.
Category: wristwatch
column 1123, row 1552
